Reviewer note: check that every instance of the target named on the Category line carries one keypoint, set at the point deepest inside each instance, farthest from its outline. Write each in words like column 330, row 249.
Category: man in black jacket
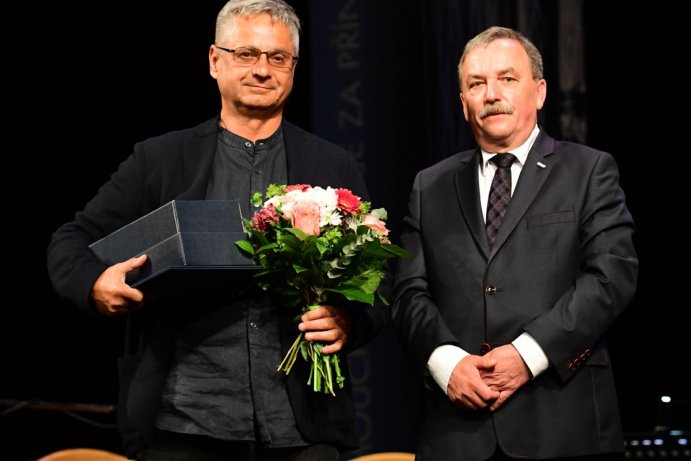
column 205, row 385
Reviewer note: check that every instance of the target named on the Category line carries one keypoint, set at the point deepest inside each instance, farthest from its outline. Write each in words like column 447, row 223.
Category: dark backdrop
column 376, row 77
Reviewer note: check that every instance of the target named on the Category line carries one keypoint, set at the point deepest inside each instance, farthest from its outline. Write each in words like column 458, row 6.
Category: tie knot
column 503, row 160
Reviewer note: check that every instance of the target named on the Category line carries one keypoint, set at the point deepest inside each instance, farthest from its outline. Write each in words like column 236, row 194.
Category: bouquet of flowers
column 315, row 245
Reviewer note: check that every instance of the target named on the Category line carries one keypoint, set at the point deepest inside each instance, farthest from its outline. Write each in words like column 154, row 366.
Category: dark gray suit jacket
column 562, row 269
column 177, row 166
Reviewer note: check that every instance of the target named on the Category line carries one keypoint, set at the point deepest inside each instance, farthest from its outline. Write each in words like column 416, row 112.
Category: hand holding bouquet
column 315, row 245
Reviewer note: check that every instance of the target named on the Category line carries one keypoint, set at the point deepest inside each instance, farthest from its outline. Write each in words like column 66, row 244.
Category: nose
column 262, row 66
column 492, row 93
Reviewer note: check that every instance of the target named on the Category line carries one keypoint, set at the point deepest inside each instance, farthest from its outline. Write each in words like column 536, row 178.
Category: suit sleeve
column 416, row 319
column 569, row 333
column 72, row 266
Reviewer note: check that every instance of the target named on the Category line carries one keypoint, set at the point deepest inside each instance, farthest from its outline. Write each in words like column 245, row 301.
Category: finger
column 333, row 348
column 489, row 394
column 462, row 401
column 133, row 296
column 486, row 363
column 477, row 401
column 315, row 314
column 137, row 261
column 494, row 382
column 503, row 397
column 324, row 336
column 469, row 400
column 116, row 310
column 324, row 324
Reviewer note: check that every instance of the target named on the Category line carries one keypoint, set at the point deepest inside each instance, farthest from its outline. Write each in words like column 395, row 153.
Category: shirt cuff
column 442, row 362
column 531, row 353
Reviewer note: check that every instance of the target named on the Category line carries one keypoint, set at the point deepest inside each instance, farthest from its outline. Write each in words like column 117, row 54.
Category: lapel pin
column 541, row 165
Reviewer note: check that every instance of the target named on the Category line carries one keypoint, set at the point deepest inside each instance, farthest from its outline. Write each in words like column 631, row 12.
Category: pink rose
column 376, row 224
column 306, row 217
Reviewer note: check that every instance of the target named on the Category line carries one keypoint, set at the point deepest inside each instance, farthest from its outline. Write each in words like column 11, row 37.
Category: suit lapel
column 298, row 156
column 467, row 189
column 198, row 154
column 533, row 175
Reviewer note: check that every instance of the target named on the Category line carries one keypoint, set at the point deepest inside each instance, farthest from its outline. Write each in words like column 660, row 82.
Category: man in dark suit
column 506, row 319
column 205, row 384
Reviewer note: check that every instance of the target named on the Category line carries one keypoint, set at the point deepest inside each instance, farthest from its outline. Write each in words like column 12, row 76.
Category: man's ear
column 213, row 61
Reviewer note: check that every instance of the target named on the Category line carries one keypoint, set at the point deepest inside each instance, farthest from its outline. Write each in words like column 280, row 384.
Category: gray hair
column 279, row 10
column 499, row 33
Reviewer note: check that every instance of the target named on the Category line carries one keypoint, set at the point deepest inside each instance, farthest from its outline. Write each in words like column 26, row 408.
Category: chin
column 497, row 124
column 259, row 103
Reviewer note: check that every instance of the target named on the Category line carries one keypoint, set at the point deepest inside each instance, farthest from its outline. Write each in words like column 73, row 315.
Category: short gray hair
column 279, row 10
column 500, row 33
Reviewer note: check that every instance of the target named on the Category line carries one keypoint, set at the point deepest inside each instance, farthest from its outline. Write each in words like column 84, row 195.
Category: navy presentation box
column 189, row 244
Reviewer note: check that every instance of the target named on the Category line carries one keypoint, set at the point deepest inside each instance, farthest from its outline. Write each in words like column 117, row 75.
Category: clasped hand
column 488, row 381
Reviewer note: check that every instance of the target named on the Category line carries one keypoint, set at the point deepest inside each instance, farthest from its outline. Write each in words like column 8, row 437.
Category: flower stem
column 288, row 361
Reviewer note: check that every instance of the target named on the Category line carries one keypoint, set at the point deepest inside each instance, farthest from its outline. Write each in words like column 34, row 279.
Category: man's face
column 499, row 95
column 253, row 89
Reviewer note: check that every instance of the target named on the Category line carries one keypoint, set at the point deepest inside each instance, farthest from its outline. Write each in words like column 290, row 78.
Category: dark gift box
column 190, row 244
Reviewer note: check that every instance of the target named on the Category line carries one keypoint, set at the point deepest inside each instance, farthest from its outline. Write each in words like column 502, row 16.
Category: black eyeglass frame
column 267, row 53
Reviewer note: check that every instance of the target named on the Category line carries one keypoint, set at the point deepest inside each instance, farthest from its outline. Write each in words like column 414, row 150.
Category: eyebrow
column 510, row 70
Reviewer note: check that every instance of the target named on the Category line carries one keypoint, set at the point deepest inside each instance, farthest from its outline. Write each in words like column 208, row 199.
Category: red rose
column 348, row 202
column 300, row 187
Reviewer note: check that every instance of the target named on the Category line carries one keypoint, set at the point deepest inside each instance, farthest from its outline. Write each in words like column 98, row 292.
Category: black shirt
column 223, row 382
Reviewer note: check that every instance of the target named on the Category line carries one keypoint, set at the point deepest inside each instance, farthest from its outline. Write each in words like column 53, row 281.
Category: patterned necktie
column 499, row 195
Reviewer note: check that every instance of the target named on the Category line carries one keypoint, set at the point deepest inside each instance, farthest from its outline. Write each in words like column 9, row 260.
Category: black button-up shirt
column 224, row 383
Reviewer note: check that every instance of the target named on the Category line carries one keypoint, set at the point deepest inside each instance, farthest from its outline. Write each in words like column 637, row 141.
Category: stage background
column 378, row 77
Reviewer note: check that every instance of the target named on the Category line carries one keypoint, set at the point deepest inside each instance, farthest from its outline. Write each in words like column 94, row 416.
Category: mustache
column 496, row 108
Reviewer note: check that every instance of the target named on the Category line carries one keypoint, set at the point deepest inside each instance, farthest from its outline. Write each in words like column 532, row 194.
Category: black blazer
column 563, row 268
column 177, row 165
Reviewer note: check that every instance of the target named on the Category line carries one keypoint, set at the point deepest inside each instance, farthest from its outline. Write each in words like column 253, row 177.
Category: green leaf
column 274, row 189
column 297, row 232
column 303, row 350
column 298, row 268
column 245, row 246
column 256, row 199
column 322, row 245
column 383, row 299
column 267, row 247
column 396, row 250
column 354, row 294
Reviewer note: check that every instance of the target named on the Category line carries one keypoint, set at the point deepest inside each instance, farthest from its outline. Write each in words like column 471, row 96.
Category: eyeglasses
column 249, row 55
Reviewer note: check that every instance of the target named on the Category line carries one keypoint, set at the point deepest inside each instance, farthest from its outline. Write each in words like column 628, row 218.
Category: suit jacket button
column 485, row 348
column 491, row 289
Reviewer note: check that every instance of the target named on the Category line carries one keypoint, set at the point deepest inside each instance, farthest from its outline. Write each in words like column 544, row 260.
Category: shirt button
column 253, row 324
column 491, row 289
column 248, row 144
